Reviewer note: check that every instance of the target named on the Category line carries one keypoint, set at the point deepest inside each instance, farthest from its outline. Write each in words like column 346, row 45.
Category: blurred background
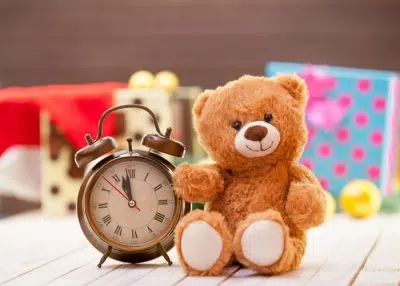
column 204, row 43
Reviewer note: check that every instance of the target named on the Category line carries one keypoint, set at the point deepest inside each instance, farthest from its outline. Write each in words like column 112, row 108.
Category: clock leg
column 164, row 253
column 105, row 256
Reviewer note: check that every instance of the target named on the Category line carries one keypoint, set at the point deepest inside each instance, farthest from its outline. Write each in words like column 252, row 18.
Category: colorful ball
column 360, row 199
column 167, row 79
column 330, row 205
column 141, row 79
column 397, row 184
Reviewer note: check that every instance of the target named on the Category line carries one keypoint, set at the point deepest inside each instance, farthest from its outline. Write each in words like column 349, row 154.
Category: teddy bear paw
column 203, row 243
column 305, row 205
column 262, row 242
column 197, row 183
column 201, row 254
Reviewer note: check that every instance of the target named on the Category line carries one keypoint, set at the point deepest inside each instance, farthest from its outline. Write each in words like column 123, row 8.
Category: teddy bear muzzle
column 257, row 139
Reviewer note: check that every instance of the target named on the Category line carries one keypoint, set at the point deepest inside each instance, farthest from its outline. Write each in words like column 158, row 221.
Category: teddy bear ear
column 201, row 102
column 295, row 85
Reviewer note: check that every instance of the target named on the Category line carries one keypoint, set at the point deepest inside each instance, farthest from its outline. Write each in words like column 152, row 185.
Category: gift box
column 45, row 125
column 73, row 112
column 61, row 178
column 352, row 118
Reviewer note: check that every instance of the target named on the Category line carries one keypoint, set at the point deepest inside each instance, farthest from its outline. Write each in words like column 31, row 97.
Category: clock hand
column 115, row 188
column 126, row 185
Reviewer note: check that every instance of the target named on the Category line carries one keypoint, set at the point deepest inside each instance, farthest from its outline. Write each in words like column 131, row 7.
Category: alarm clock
column 127, row 207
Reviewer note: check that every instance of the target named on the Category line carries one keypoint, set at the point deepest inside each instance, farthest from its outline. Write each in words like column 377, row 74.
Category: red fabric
column 75, row 109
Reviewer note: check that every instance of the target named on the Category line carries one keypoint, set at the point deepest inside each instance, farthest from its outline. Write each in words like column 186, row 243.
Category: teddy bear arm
column 300, row 173
column 305, row 203
column 198, row 183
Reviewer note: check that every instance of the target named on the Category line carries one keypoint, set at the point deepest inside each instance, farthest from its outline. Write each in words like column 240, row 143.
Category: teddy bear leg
column 203, row 243
column 262, row 243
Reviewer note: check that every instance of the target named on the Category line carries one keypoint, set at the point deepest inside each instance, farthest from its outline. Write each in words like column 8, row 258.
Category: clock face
column 131, row 203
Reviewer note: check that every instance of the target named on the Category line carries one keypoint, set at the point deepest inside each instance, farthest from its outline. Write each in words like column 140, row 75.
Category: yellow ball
column 360, row 199
column 167, row 79
column 397, row 184
column 141, row 79
column 330, row 205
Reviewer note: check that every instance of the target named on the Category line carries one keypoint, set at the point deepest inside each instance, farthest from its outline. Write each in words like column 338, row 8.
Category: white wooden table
column 35, row 250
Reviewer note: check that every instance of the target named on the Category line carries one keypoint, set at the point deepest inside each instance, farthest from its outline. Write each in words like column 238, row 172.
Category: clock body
column 127, row 201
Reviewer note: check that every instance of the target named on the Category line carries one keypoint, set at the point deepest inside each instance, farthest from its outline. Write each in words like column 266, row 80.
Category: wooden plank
column 17, row 268
column 321, row 242
column 112, row 272
column 334, row 254
column 383, row 264
column 54, row 269
column 31, row 241
column 87, row 273
column 215, row 17
column 60, row 265
column 337, row 254
column 209, row 280
column 245, row 277
column 358, row 237
column 125, row 274
column 197, row 39
column 66, row 75
column 164, row 275
column 258, row 49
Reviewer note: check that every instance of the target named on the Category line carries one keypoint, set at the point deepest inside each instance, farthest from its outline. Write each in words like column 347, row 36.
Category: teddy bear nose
column 256, row 133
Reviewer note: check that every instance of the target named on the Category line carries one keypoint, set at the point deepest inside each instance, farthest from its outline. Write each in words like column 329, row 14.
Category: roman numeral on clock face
column 106, row 219
column 156, row 188
column 149, row 229
column 116, row 178
column 134, row 234
column 159, row 217
column 105, row 190
column 162, row 202
column 130, row 173
column 118, row 230
column 103, row 206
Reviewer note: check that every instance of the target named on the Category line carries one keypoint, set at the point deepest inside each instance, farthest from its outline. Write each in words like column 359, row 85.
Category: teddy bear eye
column 268, row 117
column 237, row 125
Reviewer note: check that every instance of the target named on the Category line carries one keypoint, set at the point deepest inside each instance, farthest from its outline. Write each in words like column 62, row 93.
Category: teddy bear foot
column 261, row 243
column 203, row 242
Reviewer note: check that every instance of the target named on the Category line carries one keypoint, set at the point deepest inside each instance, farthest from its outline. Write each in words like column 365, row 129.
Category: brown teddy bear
column 260, row 200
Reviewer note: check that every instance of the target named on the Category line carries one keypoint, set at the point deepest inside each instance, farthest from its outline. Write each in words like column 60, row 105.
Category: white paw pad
column 201, row 245
column 263, row 242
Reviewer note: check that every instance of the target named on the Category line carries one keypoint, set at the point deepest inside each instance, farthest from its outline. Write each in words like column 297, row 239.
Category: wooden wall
column 207, row 42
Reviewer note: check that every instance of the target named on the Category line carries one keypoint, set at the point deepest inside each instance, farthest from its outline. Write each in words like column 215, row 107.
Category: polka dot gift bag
column 353, row 118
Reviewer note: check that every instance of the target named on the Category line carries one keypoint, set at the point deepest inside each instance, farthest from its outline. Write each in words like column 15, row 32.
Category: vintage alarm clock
column 127, row 206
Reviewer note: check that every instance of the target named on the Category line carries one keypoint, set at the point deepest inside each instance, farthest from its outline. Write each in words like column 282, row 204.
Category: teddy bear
column 259, row 199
